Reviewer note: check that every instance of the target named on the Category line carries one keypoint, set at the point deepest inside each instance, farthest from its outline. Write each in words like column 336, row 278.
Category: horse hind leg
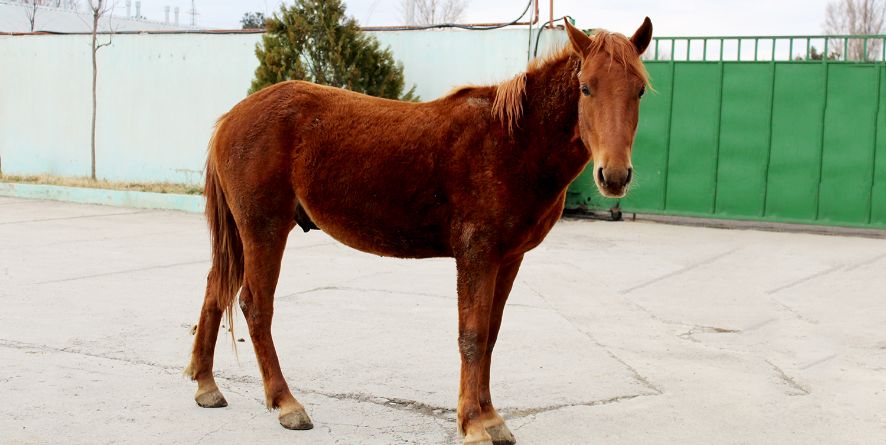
column 200, row 369
column 263, row 253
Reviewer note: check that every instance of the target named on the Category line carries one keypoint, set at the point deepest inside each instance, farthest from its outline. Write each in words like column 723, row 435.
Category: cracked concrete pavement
column 616, row 333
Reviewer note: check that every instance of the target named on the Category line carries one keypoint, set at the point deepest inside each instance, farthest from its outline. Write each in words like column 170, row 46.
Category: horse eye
column 642, row 90
column 585, row 90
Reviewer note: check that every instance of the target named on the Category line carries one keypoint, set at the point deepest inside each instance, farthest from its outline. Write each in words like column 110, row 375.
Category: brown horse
column 479, row 175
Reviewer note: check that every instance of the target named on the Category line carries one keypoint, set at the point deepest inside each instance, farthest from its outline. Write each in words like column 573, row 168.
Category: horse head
column 611, row 81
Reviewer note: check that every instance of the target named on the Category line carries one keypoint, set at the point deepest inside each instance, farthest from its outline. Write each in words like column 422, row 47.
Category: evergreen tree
column 313, row 40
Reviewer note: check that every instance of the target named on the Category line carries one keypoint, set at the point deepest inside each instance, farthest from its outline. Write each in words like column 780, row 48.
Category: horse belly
column 381, row 236
column 381, row 222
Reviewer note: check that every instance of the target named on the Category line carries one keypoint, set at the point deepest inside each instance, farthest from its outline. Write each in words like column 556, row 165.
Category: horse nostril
column 600, row 176
column 630, row 175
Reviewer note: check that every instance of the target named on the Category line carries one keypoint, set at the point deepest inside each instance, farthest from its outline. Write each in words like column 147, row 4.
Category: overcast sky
column 670, row 18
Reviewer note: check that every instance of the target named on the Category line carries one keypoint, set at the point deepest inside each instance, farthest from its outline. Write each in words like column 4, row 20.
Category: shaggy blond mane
column 509, row 95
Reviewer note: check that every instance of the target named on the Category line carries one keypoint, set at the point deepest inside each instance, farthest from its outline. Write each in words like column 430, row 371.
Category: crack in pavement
column 701, row 329
column 679, row 271
column 693, row 327
column 796, row 313
column 801, row 389
column 519, row 413
column 635, row 374
column 119, row 272
column 439, row 413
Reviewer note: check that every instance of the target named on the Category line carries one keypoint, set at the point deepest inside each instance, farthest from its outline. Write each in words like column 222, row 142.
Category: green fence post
column 874, row 161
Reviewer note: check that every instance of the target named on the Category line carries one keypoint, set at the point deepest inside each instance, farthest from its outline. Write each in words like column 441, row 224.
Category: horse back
column 383, row 176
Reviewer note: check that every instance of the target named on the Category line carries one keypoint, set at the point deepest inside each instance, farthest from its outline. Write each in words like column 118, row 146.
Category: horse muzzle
column 613, row 181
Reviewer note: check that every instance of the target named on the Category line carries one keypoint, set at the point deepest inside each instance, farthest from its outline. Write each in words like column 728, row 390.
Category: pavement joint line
column 94, row 240
column 817, row 362
column 385, row 291
column 359, row 289
column 294, row 247
column 635, row 374
column 120, row 272
column 655, row 316
column 759, row 325
column 20, row 202
column 20, row 345
column 64, row 218
column 679, row 271
column 793, row 311
column 864, row 263
column 805, row 279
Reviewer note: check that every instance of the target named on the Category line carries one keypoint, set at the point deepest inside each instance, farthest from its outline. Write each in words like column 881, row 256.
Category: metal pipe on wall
column 551, row 22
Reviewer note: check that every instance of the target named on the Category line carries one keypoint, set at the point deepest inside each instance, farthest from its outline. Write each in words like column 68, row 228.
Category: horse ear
column 643, row 36
column 580, row 41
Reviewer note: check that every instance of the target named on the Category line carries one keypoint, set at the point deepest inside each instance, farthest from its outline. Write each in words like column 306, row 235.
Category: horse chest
column 528, row 229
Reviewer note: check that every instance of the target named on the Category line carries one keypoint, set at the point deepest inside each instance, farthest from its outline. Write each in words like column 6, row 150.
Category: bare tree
column 432, row 12
column 63, row 4
column 31, row 11
column 99, row 9
column 856, row 17
column 31, row 7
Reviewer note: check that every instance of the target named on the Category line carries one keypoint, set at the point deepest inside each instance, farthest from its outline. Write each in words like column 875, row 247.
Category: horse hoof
column 296, row 420
column 478, row 437
column 501, row 435
column 211, row 399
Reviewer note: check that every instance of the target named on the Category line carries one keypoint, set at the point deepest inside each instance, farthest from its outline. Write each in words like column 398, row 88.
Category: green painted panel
column 756, row 140
column 693, row 147
column 797, row 117
column 878, row 197
column 744, row 139
column 849, row 139
column 650, row 154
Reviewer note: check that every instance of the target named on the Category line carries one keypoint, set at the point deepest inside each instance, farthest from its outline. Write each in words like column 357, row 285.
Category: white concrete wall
column 159, row 95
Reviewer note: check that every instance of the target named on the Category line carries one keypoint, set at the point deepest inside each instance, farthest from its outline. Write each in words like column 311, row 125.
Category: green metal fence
column 783, row 129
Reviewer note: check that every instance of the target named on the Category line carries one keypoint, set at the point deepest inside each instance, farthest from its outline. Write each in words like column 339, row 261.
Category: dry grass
column 156, row 187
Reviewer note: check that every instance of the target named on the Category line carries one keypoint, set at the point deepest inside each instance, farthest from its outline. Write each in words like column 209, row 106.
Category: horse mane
column 508, row 103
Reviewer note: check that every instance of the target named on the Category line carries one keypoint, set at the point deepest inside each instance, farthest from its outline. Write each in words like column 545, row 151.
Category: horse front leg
column 493, row 422
column 476, row 285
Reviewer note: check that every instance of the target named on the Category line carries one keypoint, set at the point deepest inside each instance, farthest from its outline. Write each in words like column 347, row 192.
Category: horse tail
column 226, row 274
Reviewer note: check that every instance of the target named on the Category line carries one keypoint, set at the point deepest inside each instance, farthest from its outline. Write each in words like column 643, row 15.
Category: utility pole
column 193, row 13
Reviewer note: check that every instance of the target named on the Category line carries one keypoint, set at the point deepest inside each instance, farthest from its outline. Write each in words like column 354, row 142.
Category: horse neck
column 550, row 120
